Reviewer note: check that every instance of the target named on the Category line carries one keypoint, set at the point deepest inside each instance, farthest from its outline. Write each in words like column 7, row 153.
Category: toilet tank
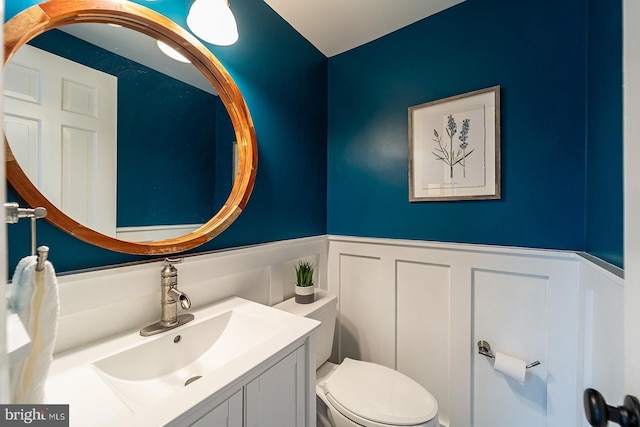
column 322, row 309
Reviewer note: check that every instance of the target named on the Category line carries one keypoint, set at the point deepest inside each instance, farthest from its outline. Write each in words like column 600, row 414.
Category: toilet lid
column 380, row 394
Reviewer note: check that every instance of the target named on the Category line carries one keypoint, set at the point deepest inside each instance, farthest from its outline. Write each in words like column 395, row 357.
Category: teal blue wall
column 604, row 189
column 336, row 129
column 283, row 79
column 537, row 53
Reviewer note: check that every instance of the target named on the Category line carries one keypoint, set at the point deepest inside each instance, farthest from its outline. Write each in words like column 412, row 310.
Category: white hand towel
column 34, row 297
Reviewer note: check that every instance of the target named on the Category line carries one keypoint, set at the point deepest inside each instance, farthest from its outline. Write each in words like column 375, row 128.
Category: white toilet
column 357, row 393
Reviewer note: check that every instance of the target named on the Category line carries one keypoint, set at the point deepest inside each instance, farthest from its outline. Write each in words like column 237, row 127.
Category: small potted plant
column 304, row 282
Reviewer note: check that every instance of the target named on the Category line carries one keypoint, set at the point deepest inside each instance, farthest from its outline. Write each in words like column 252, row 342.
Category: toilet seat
column 373, row 395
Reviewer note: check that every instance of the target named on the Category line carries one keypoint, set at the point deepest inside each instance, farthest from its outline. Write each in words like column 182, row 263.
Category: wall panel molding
column 261, row 273
column 442, row 296
column 411, row 305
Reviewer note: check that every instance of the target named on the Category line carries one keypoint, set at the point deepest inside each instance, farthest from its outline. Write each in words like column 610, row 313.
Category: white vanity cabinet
column 227, row 414
column 276, row 397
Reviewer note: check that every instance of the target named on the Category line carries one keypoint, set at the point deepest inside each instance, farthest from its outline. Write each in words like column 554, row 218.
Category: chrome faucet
column 169, row 298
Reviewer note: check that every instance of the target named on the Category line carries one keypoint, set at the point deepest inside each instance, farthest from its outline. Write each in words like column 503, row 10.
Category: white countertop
column 94, row 400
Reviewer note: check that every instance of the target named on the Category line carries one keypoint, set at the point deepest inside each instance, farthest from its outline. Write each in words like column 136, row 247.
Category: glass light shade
column 171, row 52
column 213, row 22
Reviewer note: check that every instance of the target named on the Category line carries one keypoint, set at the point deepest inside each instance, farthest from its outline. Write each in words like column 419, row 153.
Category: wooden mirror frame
column 55, row 13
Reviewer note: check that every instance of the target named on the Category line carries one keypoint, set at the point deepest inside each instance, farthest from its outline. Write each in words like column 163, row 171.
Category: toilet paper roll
column 510, row 366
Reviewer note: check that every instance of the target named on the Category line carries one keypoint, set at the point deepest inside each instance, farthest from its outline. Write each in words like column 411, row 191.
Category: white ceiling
column 336, row 26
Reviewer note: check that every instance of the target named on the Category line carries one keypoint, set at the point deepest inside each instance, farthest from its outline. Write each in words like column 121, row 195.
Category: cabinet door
column 277, row 397
column 227, row 414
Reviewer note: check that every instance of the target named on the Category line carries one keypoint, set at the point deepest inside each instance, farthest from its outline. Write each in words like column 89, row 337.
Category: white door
column 631, row 120
column 632, row 194
column 60, row 119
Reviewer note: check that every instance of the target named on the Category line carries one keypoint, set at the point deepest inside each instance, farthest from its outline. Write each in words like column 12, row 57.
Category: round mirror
column 173, row 151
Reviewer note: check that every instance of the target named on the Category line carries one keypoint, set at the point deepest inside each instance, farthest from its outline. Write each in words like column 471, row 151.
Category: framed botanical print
column 454, row 148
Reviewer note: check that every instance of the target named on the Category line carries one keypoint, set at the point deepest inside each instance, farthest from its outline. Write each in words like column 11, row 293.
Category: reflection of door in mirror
column 173, row 141
column 60, row 117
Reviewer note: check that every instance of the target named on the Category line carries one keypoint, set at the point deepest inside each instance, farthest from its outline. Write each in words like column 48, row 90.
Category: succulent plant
column 304, row 274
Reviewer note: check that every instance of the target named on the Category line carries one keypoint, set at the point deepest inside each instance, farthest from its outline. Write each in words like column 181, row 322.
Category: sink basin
column 161, row 365
column 171, row 352
column 149, row 381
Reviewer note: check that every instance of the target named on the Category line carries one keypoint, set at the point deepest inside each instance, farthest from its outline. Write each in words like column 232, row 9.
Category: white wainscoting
column 421, row 307
column 98, row 304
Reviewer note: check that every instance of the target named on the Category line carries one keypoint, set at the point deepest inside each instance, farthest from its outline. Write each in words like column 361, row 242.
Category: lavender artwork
column 451, row 155
column 454, row 148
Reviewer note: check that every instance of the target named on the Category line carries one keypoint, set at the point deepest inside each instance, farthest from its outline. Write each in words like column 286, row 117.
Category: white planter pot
column 304, row 294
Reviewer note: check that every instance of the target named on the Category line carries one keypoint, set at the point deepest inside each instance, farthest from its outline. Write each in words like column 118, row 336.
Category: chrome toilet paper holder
column 484, row 348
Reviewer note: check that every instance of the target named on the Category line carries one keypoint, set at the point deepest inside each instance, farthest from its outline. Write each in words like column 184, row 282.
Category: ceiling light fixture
column 213, row 22
column 171, row 52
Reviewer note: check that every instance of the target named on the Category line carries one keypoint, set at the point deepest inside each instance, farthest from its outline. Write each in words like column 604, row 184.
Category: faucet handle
column 169, row 274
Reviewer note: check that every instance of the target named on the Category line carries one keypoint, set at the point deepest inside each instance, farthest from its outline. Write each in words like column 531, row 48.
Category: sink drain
column 192, row 379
